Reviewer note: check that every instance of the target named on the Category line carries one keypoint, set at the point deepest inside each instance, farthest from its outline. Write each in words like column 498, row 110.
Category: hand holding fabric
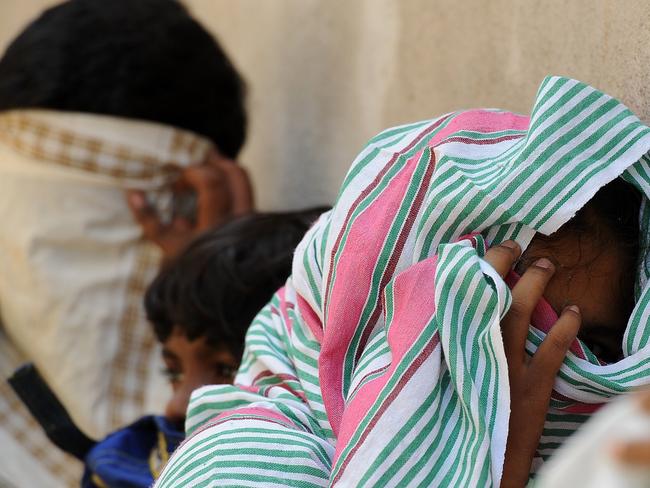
column 531, row 378
column 222, row 189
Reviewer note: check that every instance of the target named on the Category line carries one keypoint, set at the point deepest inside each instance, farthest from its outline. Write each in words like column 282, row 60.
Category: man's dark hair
column 141, row 59
column 219, row 283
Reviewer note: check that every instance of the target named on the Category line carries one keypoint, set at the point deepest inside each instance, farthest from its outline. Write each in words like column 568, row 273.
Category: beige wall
column 325, row 75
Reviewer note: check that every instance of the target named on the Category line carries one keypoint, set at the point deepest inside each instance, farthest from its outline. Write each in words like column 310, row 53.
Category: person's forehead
column 200, row 348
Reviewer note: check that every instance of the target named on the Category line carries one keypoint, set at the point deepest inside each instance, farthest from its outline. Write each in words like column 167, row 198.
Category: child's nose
column 177, row 405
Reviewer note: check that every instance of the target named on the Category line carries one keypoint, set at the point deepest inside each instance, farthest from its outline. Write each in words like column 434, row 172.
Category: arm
column 531, row 379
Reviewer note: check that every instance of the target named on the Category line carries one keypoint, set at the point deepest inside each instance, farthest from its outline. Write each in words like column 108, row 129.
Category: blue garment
column 132, row 457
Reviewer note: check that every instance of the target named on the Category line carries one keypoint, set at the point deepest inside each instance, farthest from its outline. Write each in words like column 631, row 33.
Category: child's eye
column 172, row 375
column 225, row 371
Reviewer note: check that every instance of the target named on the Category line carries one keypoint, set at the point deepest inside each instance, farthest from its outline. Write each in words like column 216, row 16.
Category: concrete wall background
column 325, row 75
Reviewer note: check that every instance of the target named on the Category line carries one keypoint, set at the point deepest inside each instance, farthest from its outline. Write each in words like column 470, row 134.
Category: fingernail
column 543, row 263
column 573, row 308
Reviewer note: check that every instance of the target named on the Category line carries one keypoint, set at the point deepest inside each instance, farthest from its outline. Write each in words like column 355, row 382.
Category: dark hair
column 217, row 285
column 611, row 217
column 141, row 59
column 609, row 222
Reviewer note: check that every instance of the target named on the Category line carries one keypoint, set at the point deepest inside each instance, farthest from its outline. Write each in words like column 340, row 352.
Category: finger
column 239, row 186
column 525, row 296
column 503, row 257
column 144, row 215
column 202, row 176
column 548, row 358
column 634, row 453
column 213, row 195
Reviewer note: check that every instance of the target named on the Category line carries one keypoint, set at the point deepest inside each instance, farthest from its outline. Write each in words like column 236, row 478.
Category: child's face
column 190, row 365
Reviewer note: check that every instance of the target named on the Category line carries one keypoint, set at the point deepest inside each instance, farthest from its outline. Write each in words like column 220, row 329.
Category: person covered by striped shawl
column 393, row 357
column 585, row 271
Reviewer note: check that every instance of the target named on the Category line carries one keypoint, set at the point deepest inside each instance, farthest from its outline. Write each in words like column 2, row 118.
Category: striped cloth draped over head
column 381, row 363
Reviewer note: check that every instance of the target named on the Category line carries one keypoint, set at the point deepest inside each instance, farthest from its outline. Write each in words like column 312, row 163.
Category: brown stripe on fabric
column 63, row 147
column 130, row 372
column 177, row 141
column 363, row 380
column 480, row 142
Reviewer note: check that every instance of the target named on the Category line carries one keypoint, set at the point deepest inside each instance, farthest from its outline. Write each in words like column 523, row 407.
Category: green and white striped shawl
column 381, row 362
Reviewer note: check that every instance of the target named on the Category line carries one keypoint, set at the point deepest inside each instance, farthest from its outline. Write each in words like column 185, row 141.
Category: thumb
column 144, row 215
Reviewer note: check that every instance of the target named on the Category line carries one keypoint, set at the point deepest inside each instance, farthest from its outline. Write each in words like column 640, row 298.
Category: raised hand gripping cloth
column 381, row 362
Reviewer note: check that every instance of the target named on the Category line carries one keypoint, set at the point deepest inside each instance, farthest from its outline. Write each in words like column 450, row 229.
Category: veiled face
column 596, row 274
